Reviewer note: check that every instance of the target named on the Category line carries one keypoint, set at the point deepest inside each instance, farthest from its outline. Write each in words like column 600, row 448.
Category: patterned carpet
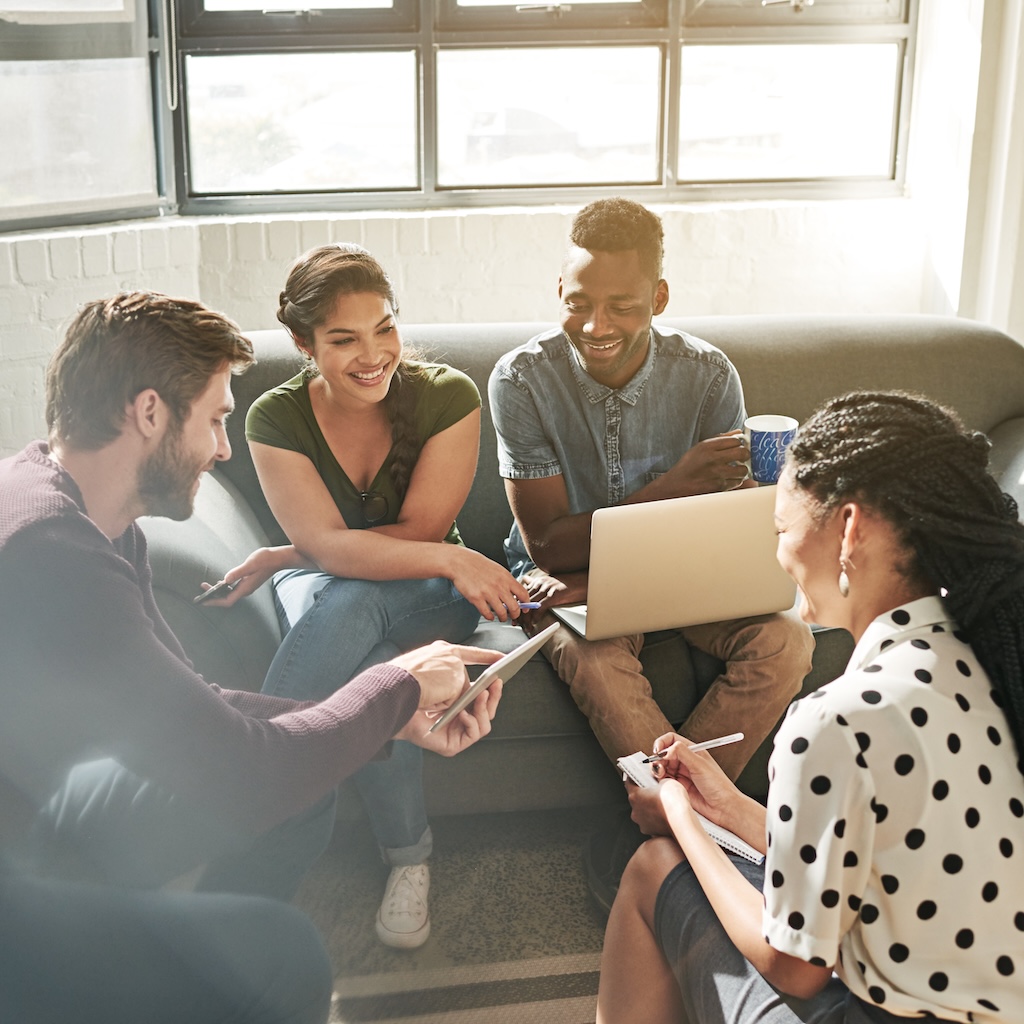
column 513, row 936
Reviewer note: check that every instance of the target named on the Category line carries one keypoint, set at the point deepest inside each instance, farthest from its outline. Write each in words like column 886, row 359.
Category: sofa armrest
column 232, row 647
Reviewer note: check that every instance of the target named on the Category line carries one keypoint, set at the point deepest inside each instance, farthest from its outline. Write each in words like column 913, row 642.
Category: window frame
column 670, row 24
column 179, row 28
column 95, row 36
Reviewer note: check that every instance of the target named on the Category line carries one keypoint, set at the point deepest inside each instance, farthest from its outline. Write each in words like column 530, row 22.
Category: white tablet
column 504, row 669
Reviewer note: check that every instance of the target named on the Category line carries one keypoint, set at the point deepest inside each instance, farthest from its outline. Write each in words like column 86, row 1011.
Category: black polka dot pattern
column 902, row 804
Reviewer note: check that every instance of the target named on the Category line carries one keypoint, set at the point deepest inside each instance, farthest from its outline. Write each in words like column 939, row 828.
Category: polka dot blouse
column 896, row 828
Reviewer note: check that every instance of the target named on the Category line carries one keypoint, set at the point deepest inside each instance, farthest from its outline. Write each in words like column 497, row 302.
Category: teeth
column 602, row 348
column 370, row 375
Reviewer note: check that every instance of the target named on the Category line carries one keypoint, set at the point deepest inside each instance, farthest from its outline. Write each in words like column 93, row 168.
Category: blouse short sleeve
column 820, row 836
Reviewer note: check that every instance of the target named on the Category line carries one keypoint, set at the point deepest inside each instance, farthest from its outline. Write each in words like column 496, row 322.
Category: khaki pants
column 766, row 658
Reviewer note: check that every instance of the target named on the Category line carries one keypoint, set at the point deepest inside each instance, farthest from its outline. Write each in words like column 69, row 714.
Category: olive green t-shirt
column 283, row 418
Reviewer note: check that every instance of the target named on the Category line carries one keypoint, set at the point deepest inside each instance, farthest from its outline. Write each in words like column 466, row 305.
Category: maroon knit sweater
column 89, row 668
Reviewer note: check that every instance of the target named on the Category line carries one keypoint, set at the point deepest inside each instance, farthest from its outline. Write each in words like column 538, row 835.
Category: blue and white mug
column 768, row 437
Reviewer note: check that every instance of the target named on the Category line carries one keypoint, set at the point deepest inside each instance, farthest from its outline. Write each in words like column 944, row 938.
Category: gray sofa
column 541, row 753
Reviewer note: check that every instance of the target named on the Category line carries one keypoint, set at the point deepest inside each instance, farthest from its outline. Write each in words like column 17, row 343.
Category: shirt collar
column 629, row 393
column 899, row 624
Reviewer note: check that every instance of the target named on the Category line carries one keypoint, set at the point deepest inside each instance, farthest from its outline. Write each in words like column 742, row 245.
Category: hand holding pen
column 720, row 741
column 709, row 789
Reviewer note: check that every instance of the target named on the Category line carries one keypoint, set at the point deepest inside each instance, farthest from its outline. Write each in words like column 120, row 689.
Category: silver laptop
column 680, row 562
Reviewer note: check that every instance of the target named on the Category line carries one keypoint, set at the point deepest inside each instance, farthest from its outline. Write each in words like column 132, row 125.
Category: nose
column 223, row 452
column 598, row 324
column 370, row 353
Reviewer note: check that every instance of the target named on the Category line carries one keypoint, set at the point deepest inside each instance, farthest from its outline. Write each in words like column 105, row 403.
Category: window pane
column 787, row 111
column 548, row 116
column 78, row 133
column 302, row 122
column 290, row 8
column 538, row 3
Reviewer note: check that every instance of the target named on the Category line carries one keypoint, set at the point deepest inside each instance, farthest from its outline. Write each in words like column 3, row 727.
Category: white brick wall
column 45, row 278
column 482, row 265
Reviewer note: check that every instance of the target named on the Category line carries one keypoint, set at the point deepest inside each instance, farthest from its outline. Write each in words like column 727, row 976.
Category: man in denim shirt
column 609, row 410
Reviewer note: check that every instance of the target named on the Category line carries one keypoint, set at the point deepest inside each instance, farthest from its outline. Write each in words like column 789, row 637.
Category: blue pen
column 529, row 604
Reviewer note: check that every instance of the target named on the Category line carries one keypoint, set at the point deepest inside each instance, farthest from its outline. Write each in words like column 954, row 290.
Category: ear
column 147, row 414
column 305, row 349
column 660, row 297
column 851, row 517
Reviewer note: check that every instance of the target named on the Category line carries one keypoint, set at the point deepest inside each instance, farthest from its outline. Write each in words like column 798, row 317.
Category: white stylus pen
column 721, row 741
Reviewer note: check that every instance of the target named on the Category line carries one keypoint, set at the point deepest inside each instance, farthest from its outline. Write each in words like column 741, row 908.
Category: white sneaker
column 403, row 920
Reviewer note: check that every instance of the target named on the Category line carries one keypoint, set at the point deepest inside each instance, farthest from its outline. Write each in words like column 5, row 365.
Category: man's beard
column 167, row 478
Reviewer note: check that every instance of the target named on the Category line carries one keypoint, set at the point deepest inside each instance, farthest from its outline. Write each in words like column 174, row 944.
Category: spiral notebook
column 634, row 768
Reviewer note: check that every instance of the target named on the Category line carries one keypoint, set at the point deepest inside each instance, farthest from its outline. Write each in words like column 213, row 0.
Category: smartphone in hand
column 221, row 589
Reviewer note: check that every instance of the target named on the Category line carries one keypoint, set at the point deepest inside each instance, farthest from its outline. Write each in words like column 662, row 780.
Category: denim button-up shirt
column 552, row 418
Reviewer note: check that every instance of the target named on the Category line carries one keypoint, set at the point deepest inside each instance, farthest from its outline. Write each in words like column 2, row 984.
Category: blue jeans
column 97, row 954
column 86, row 935
column 338, row 627
column 106, row 824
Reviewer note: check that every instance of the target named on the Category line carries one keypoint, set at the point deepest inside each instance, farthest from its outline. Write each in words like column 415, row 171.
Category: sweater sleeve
column 87, row 675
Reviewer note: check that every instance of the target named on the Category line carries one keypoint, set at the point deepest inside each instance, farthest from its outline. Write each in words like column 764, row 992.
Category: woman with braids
column 365, row 459
column 894, row 827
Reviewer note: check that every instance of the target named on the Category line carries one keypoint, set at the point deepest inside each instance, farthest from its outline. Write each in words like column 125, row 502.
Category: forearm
column 668, row 485
column 373, row 555
column 739, row 905
column 287, row 556
column 562, row 546
column 736, row 902
column 746, row 817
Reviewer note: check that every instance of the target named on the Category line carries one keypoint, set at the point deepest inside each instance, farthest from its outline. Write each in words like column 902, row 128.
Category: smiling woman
column 880, row 898
column 366, row 459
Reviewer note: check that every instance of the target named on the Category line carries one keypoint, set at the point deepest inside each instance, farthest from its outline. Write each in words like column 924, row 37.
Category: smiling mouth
column 371, row 375
column 601, row 348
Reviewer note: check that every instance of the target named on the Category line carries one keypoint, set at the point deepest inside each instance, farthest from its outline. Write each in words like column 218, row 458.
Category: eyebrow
column 352, row 330
column 622, row 297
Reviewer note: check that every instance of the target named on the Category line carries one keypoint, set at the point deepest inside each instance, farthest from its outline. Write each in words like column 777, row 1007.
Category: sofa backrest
column 788, row 364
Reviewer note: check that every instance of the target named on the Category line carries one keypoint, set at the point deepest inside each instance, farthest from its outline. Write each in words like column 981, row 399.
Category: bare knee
column 646, row 871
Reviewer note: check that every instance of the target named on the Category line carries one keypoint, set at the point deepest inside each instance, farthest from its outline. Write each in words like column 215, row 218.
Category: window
column 120, row 108
column 76, row 111
column 419, row 102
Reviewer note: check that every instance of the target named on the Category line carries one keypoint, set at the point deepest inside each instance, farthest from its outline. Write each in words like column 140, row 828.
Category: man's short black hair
column 618, row 225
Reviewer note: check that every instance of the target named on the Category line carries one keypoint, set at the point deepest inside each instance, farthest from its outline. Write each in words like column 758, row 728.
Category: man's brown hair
column 116, row 348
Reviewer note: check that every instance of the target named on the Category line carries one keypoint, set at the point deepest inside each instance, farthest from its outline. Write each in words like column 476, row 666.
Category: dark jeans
column 88, row 935
column 96, row 954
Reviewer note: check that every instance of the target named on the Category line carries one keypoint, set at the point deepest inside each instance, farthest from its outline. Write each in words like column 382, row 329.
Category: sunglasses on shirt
column 374, row 506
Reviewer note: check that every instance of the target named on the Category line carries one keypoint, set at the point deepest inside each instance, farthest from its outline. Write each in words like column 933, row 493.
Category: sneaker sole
column 403, row 940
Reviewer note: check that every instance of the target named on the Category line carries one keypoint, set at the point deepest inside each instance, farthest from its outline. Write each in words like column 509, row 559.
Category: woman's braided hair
column 913, row 462
column 314, row 284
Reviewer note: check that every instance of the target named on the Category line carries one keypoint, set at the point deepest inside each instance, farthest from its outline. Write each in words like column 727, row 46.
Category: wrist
column 452, row 559
column 744, row 816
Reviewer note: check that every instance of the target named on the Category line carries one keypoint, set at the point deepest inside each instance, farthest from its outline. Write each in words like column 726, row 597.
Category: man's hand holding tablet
column 504, row 668
column 440, row 669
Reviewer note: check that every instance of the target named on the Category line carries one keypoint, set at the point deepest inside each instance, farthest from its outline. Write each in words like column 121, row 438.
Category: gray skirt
column 719, row 985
